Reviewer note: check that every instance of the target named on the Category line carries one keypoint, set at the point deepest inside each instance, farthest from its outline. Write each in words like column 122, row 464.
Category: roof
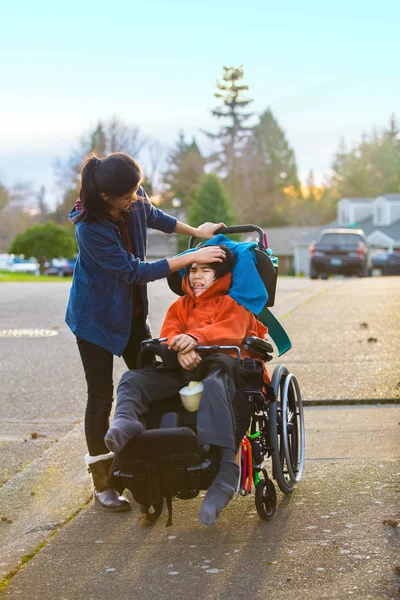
column 358, row 199
column 390, row 197
column 281, row 240
column 355, row 230
column 368, row 227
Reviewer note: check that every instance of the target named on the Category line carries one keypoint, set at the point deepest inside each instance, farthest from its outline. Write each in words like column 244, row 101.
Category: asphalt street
column 42, row 386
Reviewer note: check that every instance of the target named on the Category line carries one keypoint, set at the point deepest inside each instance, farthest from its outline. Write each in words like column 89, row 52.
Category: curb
column 351, row 402
column 39, row 500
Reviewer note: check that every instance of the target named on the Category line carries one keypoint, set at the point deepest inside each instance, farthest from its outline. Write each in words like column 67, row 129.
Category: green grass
column 6, row 276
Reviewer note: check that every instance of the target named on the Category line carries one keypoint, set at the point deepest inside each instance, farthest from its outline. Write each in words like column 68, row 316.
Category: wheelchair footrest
column 161, row 463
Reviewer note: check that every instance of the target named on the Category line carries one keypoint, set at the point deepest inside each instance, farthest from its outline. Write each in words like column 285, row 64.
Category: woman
column 108, row 306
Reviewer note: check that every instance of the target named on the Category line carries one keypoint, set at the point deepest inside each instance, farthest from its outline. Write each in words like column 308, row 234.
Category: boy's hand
column 189, row 361
column 183, row 343
column 207, row 230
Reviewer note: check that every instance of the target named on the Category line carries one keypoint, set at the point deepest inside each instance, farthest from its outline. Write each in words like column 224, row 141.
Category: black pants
column 98, row 366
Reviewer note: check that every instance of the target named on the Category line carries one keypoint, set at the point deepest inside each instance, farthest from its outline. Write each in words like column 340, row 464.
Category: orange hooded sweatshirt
column 213, row 317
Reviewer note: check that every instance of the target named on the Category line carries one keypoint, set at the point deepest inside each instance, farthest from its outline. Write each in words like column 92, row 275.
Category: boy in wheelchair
column 205, row 315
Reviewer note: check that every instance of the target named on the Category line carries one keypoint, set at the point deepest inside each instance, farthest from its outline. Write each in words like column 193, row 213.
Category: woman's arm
column 104, row 251
column 112, row 257
column 205, row 231
column 158, row 219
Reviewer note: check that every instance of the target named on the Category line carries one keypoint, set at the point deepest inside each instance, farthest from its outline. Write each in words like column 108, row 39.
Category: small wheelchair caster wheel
column 265, row 499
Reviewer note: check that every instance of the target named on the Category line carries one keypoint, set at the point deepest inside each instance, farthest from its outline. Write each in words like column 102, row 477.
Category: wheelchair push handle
column 238, row 229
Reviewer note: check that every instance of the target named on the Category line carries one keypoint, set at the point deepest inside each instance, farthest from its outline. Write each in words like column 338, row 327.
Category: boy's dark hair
column 114, row 175
column 221, row 268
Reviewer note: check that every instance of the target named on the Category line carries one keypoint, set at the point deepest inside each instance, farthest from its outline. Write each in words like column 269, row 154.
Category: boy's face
column 200, row 277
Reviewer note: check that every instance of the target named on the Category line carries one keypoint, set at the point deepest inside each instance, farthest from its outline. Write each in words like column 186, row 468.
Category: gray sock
column 221, row 491
column 121, row 432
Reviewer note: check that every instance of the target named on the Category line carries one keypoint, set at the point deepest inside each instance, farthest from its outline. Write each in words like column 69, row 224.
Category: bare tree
column 15, row 212
column 156, row 156
column 108, row 136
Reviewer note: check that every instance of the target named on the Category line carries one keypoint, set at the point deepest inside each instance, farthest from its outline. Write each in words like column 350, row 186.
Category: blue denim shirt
column 100, row 303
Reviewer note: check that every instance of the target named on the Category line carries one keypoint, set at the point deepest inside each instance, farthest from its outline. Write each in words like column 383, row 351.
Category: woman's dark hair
column 114, row 175
column 221, row 268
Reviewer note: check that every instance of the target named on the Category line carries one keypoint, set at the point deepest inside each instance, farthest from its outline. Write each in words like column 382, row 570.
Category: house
column 283, row 240
column 379, row 218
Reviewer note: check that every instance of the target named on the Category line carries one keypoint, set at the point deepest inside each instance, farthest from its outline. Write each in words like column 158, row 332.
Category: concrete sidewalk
column 98, row 555
column 327, row 540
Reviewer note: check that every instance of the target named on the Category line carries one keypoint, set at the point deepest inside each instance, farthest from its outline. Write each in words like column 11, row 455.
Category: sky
column 327, row 70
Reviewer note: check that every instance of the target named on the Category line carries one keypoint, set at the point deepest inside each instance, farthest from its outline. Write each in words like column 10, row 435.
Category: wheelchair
column 166, row 461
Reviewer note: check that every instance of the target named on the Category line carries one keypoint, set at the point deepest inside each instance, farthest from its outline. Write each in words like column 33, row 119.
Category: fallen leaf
column 390, row 523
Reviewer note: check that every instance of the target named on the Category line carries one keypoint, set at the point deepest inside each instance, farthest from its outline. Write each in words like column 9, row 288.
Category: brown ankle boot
column 104, row 495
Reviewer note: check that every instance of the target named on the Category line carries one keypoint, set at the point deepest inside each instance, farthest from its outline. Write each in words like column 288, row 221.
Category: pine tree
column 210, row 202
column 271, row 187
column 231, row 136
column 185, row 170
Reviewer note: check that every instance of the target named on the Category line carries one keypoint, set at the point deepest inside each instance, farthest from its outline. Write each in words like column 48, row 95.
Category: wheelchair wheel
column 286, row 430
column 265, row 499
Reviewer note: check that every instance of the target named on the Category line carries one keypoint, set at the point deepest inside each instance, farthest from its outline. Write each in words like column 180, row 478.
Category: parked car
column 340, row 251
column 61, row 267
column 6, row 262
column 22, row 265
column 387, row 262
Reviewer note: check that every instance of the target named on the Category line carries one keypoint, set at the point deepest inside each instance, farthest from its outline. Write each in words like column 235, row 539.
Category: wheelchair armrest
column 153, row 341
column 259, row 347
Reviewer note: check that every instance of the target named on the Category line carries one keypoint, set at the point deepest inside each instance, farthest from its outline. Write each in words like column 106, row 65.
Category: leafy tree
column 270, row 182
column 185, row 169
column 371, row 167
column 317, row 205
column 45, row 242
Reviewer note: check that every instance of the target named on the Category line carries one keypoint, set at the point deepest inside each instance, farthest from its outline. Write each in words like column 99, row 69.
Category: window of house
column 379, row 215
column 343, row 217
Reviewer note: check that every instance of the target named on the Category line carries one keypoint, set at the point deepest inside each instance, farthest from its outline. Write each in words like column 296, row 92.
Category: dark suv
column 339, row 251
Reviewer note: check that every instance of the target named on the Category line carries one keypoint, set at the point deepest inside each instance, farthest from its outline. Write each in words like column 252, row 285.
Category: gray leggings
column 139, row 390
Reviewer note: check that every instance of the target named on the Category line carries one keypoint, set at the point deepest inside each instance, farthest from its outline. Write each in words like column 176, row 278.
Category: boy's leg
column 136, row 392
column 216, row 426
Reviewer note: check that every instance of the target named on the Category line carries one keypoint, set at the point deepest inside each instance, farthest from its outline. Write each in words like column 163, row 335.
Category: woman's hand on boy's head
column 183, row 343
column 189, row 360
column 208, row 230
column 208, row 255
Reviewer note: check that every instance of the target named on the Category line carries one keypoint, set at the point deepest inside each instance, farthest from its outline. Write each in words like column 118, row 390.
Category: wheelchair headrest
column 253, row 266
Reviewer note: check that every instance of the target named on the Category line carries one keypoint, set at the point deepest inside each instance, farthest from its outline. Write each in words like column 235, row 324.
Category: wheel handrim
column 295, row 471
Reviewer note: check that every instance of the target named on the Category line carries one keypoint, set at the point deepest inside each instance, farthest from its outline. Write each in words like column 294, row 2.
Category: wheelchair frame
column 276, row 431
